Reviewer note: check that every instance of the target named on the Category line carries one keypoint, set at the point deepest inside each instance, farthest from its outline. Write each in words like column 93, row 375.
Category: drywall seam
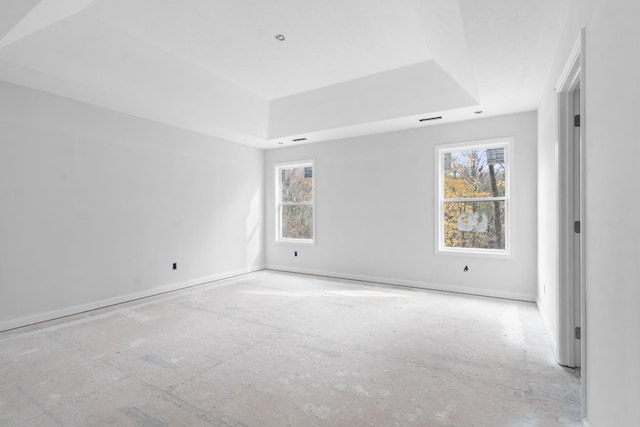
column 120, row 299
column 519, row 296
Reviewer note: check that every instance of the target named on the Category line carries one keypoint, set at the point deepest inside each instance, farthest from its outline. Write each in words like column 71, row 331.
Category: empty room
column 331, row 213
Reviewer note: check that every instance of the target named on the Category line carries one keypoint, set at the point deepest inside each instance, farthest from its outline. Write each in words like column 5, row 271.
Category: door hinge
column 577, row 332
column 576, row 227
column 576, row 120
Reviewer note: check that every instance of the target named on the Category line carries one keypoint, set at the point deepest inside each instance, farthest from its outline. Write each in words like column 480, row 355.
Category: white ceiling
column 347, row 67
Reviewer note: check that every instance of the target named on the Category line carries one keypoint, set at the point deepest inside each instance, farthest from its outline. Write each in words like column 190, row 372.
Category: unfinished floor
column 277, row 349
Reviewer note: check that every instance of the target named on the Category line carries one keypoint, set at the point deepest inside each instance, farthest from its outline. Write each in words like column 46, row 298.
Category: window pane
column 297, row 184
column 297, row 222
column 478, row 225
column 474, row 173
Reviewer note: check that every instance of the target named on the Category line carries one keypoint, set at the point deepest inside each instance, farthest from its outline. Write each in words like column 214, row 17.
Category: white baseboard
column 399, row 282
column 548, row 330
column 76, row 309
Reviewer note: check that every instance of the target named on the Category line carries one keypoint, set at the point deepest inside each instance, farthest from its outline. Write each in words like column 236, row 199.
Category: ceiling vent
column 299, row 139
column 430, row 118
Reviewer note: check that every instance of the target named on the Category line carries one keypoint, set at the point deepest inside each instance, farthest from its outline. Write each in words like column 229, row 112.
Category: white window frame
column 508, row 145
column 278, row 167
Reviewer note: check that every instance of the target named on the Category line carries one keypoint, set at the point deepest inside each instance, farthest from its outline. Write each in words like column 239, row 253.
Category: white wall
column 97, row 205
column 548, row 290
column 612, row 332
column 613, row 242
column 375, row 210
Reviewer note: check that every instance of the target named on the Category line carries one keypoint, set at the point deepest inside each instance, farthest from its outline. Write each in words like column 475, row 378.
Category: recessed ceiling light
column 280, row 37
column 478, row 112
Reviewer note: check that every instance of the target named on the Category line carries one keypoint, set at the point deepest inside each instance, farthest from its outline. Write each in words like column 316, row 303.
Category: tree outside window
column 474, row 198
column 295, row 202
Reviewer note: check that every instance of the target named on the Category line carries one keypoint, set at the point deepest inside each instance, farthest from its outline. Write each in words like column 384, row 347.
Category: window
column 473, row 183
column 295, row 202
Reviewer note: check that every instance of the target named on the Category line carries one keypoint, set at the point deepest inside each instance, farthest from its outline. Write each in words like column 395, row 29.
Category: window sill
column 297, row 242
column 476, row 253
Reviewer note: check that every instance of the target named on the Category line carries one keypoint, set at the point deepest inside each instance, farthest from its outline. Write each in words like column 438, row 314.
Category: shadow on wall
column 254, row 236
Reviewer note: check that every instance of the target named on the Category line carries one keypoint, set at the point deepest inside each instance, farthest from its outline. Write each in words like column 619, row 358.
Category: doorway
column 575, row 190
column 571, row 221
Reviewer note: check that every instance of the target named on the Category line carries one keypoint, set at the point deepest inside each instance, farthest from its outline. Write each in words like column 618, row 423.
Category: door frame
column 572, row 78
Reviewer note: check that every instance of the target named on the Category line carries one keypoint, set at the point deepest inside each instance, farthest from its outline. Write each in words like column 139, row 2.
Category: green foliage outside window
column 474, row 187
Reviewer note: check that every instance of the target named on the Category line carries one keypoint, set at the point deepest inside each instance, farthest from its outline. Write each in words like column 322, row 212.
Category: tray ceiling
column 346, row 67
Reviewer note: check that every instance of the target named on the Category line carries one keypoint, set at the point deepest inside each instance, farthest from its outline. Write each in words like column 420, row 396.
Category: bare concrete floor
column 276, row 349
